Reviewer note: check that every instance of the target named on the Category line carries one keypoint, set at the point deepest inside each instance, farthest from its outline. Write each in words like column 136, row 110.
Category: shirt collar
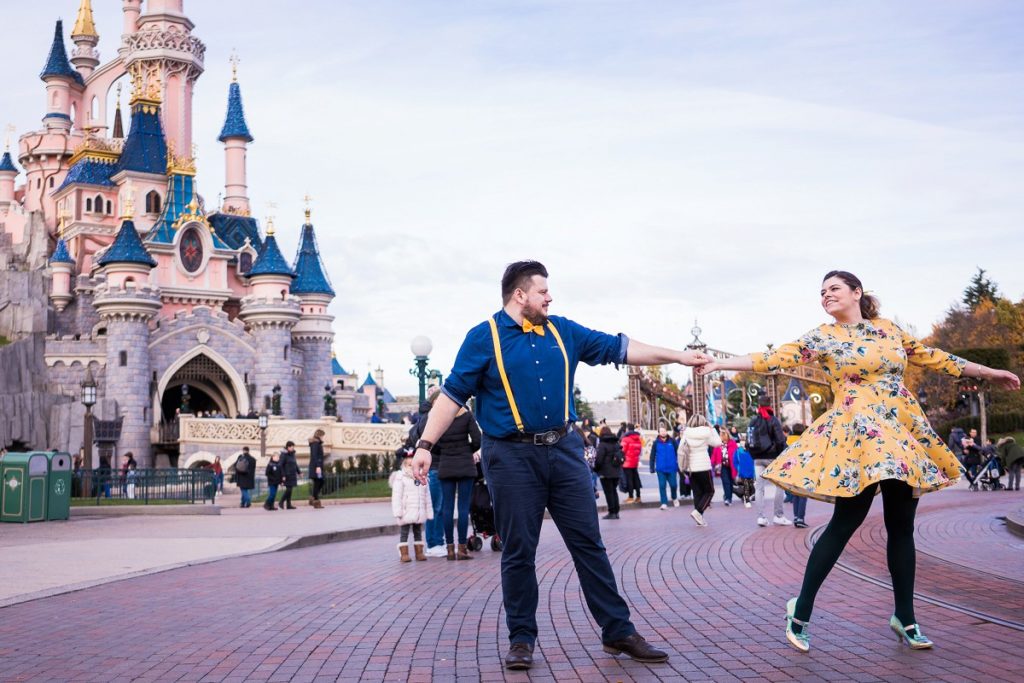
column 505, row 320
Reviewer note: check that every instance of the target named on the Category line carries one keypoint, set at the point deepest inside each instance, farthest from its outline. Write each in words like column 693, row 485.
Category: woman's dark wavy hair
column 870, row 306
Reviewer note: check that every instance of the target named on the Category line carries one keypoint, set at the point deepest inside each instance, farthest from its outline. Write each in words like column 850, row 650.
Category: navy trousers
column 524, row 480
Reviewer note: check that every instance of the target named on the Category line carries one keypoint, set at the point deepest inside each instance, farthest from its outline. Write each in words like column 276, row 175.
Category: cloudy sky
column 668, row 161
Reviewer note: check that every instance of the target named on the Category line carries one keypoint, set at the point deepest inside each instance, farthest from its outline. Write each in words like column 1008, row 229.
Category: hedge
column 998, row 423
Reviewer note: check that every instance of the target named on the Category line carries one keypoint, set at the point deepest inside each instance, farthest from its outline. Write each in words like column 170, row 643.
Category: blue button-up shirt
column 535, row 368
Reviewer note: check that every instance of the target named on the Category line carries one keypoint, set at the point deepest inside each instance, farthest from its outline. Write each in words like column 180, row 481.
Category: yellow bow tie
column 530, row 327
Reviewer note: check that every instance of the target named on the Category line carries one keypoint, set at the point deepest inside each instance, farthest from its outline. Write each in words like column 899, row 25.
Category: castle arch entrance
column 213, row 385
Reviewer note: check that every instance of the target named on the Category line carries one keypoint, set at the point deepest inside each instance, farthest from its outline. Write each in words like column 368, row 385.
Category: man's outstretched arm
column 438, row 420
column 639, row 353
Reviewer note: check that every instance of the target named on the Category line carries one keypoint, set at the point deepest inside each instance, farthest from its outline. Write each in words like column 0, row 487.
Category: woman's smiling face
column 838, row 298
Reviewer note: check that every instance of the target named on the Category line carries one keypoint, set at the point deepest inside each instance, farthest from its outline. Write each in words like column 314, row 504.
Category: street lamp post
column 88, row 400
column 262, row 423
column 421, row 347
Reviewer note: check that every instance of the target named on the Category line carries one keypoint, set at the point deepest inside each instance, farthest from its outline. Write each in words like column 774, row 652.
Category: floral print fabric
column 875, row 430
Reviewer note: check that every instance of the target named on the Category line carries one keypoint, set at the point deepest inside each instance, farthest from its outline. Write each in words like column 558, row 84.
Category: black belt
column 548, row 438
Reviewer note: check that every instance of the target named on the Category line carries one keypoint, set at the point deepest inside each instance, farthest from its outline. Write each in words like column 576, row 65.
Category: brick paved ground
column 714, row 597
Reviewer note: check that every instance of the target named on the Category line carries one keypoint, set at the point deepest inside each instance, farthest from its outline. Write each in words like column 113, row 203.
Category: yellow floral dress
column 875, row 430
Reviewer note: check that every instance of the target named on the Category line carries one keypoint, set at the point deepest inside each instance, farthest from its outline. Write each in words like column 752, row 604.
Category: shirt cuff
column 623, row 350
column 449, row 394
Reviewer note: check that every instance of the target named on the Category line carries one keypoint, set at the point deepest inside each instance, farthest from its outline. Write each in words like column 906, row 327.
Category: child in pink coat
column 722, row 461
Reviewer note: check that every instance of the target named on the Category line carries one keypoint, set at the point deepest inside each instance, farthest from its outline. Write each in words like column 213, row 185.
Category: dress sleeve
column 803, row 350
column 929, row 358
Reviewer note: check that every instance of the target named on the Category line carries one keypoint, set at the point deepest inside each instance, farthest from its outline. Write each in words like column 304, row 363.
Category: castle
column 168, row 304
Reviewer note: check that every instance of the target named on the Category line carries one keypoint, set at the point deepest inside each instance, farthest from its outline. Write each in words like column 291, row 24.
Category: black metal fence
column 144, row 486
column 334, row 483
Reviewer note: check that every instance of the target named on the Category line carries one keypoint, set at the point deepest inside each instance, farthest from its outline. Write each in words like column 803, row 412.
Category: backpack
column 242, row 465
column 759, row 438
column 618, row 458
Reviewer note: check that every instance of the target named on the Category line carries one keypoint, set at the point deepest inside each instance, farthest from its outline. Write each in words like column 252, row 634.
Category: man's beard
column 535, row 315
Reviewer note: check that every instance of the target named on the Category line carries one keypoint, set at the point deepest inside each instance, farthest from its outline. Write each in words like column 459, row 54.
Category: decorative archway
column 205, row 368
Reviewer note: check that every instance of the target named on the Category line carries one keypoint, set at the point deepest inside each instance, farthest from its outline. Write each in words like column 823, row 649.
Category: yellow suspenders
column 504, row 377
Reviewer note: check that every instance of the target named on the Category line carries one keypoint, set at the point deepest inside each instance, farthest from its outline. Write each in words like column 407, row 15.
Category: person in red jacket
column 722, row 462
column 632, row 446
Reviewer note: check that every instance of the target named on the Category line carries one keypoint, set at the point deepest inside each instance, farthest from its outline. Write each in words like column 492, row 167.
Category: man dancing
column 520, row 365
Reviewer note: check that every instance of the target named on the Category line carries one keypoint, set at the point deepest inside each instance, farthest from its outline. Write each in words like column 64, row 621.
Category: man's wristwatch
column 423, row 443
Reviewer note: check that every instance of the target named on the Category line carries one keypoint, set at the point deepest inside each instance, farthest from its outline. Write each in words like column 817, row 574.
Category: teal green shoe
column 801, row 641
column 915, row 639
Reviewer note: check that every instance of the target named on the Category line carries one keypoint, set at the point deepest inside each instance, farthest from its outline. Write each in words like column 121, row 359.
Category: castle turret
column 60, row 78
column 126, row 303
column 271, row 313
column 8, row 172
column 313, row 335
column 236, row 137
column 131, row 10
column 85, row 56
column 62, row 267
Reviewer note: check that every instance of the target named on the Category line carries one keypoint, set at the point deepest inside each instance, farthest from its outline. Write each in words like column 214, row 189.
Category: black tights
column 899, row 508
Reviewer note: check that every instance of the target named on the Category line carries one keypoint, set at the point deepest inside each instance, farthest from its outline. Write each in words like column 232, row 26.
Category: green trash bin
column 58, row 496
column 24, row 478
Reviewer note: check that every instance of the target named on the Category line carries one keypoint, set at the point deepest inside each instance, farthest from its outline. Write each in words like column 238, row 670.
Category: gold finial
column 234, row 65
column 7, row 139
column 84, row 25
column 270, row 218
column 118, row 98
column 307, row 199
column 64, row 216
column 128, row 202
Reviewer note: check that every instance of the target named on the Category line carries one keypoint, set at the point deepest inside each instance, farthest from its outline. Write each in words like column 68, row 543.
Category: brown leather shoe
column 636, row 647
column 420, row 555
column 451, row 551
column 519, row 657
column 463, row 553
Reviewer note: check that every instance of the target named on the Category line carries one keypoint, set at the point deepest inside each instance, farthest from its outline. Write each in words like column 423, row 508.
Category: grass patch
column 109, row 502
column 375, row 488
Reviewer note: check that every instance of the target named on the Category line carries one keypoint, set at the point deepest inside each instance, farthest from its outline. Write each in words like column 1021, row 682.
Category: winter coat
column 608, row 451
column 415, row 434
column 632, row 447
column 275, row 473
column 663, row 455
column 730, row 455
column 956, row 441
column 410, row 504
column 1009, row 451
column 247, row 479
column 316, row 458
column 699, row 439
column 289, row 468
column 744, row 463
column 456, row 448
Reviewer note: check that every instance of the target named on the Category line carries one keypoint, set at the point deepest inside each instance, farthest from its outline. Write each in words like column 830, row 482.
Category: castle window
column 110, row 208
column 98, row 204
column 88, row 204
column 123, row 358
column 39, row 183
column 51, row 181
column 152, row 202
column 286, row 353
column 245, row 262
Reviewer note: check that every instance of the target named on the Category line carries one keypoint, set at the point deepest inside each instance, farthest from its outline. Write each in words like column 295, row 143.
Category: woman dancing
column 875, row 437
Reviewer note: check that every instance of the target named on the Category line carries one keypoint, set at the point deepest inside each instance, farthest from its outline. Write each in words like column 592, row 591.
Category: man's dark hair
column 517, row 275
column 289, row 444
column 245, row 449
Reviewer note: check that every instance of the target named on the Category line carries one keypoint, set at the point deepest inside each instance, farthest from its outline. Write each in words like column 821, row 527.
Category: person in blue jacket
column 745, row 473
column 664, row 462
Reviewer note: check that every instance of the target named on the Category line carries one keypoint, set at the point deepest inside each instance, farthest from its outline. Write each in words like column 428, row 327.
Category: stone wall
column 26, row 400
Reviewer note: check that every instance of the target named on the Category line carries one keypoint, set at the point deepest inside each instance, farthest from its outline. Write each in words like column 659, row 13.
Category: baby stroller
column 481, row 515
column 987, row 478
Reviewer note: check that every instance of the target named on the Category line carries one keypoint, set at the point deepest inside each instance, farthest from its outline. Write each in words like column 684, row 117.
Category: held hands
column 694, row 358
column 421, row 465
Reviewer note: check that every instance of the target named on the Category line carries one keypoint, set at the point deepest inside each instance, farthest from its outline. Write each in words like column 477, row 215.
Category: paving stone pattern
column 714, row 597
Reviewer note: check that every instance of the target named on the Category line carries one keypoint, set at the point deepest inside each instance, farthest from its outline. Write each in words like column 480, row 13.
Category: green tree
column 583, row 408
column 980, row 289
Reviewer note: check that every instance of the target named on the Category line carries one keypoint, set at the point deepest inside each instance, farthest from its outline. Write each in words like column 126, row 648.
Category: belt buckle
column 549, row 438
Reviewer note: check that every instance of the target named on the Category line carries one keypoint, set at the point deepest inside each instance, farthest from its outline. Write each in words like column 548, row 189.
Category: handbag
column 684, row 457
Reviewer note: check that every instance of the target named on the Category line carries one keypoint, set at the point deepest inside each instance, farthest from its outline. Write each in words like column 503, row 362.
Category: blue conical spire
column 234, row 122
column 127, row 248
column 145, row 149
column 61, row 253
column 310, row 276
column 57, row 63
column 270, row 260
column 7, row 164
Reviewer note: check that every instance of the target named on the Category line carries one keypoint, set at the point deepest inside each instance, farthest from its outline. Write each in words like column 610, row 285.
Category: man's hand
column 421, row 465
